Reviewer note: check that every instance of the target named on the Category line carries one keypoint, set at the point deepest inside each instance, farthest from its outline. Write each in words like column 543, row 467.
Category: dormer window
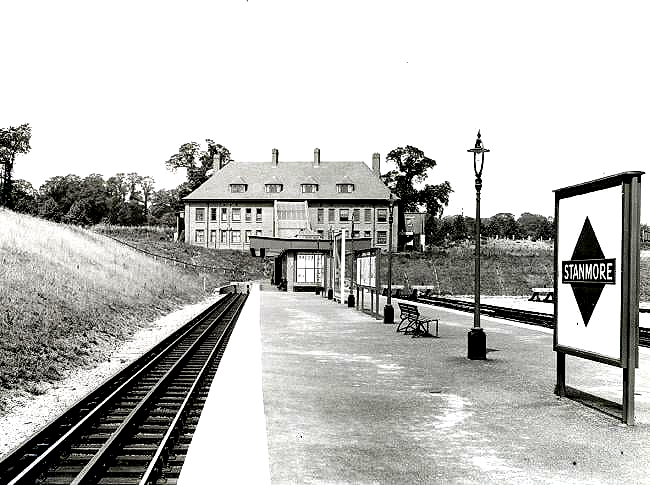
column 345, row 188
column 309, row 188
column 273, row 188
column 238, row 188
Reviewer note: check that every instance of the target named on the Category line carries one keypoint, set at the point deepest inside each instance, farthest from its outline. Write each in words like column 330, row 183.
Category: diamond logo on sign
column 588, row 271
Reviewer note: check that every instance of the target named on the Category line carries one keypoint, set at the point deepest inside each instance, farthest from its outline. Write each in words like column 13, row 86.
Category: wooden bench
column 413, row 323
column 548, row 292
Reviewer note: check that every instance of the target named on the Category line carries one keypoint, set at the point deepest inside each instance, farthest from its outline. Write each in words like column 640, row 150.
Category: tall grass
column 68, row 295
column 506, row 269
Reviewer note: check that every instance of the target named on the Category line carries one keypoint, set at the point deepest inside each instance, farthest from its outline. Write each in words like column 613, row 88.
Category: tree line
column 128, row 199
column 503, row 226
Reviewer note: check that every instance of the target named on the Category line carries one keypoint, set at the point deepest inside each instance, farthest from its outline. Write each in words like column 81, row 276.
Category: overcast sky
column 560, row 90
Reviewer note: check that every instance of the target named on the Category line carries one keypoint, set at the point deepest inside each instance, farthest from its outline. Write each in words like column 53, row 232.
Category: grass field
column 507, row 268
column 69, row 295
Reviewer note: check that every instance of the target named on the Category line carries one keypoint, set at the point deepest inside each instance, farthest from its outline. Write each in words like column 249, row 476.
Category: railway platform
column 311, row 391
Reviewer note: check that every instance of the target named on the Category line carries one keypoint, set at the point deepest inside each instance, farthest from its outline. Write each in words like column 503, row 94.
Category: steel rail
column 40, row 461
column 91, row 469
column 31, row 445
column 147, row 477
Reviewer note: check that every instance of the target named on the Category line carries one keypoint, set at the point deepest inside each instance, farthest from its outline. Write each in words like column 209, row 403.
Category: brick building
column 289, row 199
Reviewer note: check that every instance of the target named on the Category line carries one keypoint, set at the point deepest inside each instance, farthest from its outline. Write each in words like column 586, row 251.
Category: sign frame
column 628, row 271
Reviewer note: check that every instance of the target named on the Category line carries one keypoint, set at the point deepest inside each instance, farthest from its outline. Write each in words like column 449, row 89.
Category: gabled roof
column 291, row 175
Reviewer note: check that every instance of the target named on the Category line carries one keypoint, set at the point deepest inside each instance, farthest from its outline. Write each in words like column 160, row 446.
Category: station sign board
column 597, row 275
column 589, row 259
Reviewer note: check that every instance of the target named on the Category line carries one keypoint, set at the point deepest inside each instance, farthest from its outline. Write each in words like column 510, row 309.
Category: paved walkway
column 348, row 400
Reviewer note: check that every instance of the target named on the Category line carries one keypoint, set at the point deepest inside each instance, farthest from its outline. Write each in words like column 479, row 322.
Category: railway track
column 524, row 316
column 136, row 428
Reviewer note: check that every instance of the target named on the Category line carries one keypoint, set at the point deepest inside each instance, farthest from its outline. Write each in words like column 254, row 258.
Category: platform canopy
column 273, row 246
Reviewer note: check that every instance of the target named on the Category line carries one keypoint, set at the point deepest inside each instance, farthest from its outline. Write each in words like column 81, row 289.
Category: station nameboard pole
column 597, row 277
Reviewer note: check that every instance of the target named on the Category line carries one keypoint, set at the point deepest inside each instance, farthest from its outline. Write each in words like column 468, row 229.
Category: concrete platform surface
column 349, row 400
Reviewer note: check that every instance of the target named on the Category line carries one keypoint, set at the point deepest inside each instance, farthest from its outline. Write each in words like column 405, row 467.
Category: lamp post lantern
column 476, row 336
column 389, row 312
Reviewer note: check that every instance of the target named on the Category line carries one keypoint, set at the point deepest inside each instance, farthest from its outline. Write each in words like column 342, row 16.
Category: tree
column 49, row 209
column 502, row 225
column 79, row 213
column 535, row 226
column 164, row 207
column 198, row 163
column 13, row 141
column 24, row 197
column 412, row 165
column 94, row 194
column 147, row 184
column 64, row 191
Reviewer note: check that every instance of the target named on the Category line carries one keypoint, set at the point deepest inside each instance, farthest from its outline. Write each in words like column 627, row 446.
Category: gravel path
column 26, row 413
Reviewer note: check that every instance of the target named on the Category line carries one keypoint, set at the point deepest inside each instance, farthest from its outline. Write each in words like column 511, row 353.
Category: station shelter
column 309, row 264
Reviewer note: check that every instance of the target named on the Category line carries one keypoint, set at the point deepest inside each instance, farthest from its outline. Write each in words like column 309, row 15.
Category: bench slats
column 412, row 322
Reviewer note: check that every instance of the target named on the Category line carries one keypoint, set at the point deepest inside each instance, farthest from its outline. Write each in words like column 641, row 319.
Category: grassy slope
column 507, row 268
column 236, row 265
column 68, row 296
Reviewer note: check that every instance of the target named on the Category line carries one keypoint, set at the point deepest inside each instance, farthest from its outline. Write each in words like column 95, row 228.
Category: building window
column 258, row 232
column 272, row 188
column 224, row 214
column 238, row 188
column 235, row 237
column 330, row 215
column 367, row 215
column 381, row 237
column 223, row 237
column 213, row 236
column 199, row 236
column 199, row 214
column 321, row 234
column 345, row 188
column 248, row 235
column 356, row 234
column 309, row 188
column 320, row 215
column 309, row 268
column 258, row 215
column 356, row 215
column 366, row 234
column 344, row 215
column 213, row 213
column 381, row 215
column 248, row 215
column 236, row 214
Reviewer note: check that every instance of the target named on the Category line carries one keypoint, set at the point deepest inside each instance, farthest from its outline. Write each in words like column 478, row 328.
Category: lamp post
column 389, row 312
column 351, row 300
column 476, row 336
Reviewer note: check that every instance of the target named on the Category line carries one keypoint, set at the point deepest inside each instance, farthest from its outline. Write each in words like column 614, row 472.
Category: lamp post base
column 476, row 344
column 351, row 300
column 389, row 314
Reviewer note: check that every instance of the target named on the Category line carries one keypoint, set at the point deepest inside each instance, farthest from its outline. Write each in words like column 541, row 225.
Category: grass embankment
column 235, row 264
column 68, row 296
column 507, row 268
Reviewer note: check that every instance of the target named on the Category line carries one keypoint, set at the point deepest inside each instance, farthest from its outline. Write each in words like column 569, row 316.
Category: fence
column 178, row 262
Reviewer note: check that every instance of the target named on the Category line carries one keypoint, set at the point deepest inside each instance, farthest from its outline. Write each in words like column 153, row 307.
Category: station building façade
column 311, row 199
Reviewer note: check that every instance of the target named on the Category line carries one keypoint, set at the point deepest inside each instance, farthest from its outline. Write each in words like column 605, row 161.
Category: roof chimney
column 316, row 157
column 274, row 157
column 375, row 164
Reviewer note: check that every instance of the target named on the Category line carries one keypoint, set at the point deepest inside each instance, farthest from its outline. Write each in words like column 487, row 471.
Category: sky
column 559, row 90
